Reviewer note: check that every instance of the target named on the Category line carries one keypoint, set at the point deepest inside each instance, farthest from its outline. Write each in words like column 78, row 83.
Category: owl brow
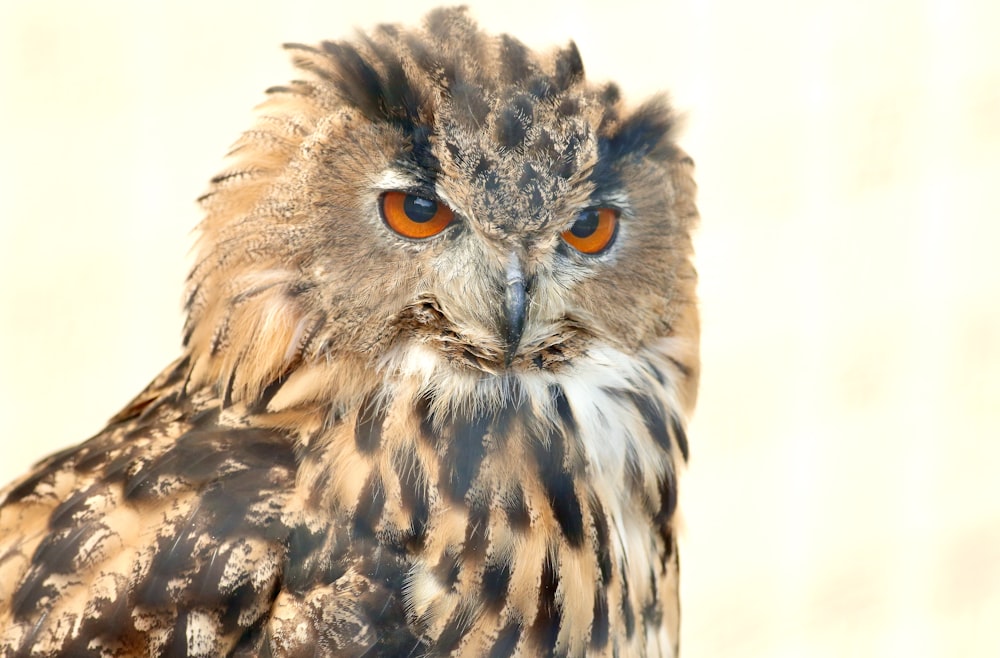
column 614, row 198
column 386, row 96
column 404, row 177
column 646, row 133
column 424, row 177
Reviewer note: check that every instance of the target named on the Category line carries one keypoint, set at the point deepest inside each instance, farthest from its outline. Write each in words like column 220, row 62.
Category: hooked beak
column 515, row 306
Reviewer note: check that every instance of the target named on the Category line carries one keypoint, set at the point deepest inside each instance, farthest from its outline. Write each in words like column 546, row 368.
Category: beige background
column 842, row 497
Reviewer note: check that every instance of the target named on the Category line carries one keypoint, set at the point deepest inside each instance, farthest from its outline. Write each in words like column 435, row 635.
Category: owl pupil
column 585, row 224
column 419, row 209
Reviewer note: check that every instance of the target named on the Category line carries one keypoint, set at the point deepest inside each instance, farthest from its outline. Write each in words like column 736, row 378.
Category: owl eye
column 414, row 216
column 593, row 231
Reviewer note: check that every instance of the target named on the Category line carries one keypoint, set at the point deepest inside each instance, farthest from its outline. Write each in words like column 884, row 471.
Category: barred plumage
column 371, row 445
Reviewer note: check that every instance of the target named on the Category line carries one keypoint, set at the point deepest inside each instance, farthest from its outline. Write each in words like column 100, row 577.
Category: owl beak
column 515, row 306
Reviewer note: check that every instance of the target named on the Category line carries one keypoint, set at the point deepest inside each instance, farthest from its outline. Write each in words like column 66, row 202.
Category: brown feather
column 349, row 458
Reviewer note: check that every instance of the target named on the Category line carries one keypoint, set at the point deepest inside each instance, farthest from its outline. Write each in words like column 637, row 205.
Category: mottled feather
column 351, row 457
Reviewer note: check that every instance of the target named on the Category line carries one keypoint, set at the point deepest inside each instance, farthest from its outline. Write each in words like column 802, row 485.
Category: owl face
column 444, row 198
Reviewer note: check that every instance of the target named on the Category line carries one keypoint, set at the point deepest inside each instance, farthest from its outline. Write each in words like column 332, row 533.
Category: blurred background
column 842, row 497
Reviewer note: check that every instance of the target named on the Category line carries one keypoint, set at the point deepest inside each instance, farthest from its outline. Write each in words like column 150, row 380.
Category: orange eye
column 593, row 231
column 414, row 216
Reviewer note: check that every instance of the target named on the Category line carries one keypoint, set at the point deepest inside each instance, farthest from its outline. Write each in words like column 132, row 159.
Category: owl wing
column 165, row 534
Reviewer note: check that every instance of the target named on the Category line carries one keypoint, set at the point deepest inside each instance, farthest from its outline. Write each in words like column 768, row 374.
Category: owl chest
column 492, row 532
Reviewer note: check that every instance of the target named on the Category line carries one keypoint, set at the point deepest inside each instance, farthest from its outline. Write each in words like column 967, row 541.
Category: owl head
column 447, row 203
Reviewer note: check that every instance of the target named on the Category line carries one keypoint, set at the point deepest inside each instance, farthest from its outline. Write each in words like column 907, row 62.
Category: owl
column 440, row 351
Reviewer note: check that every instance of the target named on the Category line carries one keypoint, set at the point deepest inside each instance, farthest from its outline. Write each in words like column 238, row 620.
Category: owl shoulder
column 168, row 530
